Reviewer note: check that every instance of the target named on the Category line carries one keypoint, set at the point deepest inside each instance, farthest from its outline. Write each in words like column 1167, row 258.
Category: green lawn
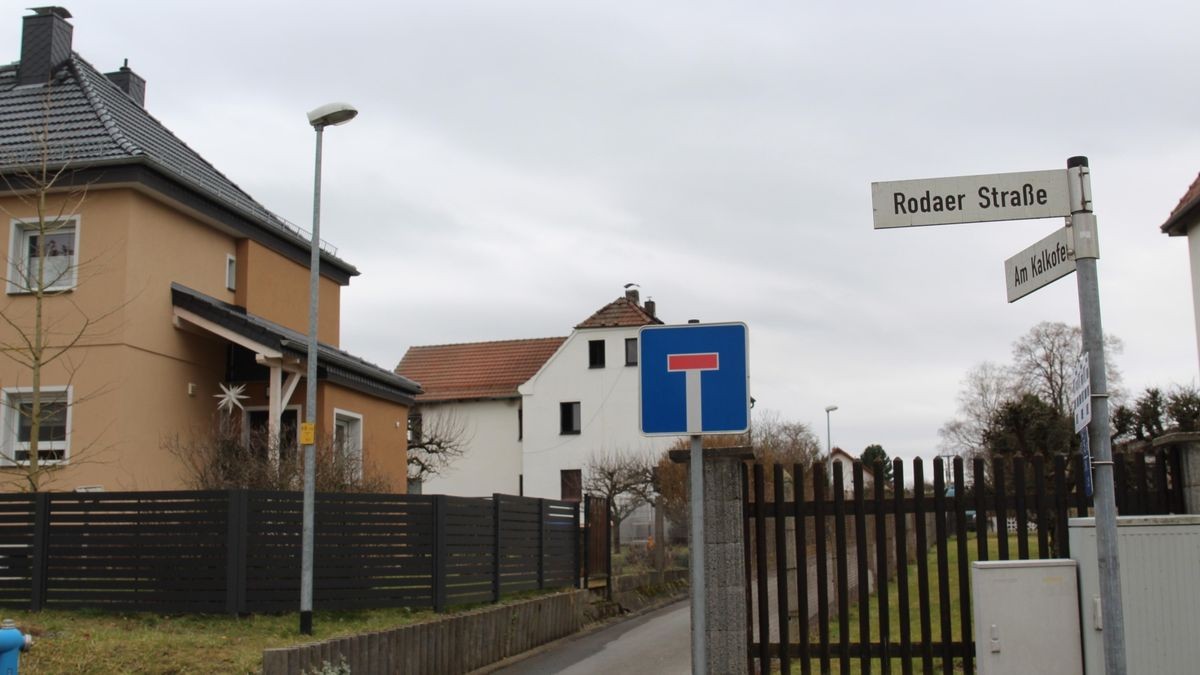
column 913, row 610
column 98, row 642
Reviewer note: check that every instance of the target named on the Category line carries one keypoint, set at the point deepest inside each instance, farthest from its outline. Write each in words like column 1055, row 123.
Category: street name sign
column 971, row 199
column 695, row 379
column 1046, row 261
column 1081, row 392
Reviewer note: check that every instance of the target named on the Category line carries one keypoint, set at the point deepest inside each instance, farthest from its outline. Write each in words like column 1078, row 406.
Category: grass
column 913, row 610
column 98, row 642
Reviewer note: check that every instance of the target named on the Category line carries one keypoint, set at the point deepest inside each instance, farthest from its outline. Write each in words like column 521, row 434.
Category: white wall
column 1193, row 237
column 608, row 410
column 492, row 462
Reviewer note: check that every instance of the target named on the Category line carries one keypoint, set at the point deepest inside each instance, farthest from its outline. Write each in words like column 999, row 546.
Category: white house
column 533, row 412
column 1185, row 221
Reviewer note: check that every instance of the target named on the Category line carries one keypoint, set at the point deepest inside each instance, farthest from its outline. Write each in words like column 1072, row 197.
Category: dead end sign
column 694, row 379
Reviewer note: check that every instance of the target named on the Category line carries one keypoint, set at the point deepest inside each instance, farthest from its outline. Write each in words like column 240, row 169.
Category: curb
column 587, row 630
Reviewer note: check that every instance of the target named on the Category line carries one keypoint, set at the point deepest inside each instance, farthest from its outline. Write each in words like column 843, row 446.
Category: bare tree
column 1044, row 357
column 776, row 440
column 436, row 438
column 985, row 388
column 43, row 321
column 626, row 479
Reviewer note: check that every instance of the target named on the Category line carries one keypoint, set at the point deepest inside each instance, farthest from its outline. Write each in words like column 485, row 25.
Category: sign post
column 695, row 381
column 1021, row 196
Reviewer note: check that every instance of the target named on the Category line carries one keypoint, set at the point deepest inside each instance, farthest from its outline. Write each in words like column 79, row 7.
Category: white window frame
column 354, row 424
column 230, row 272
column 18, row 244
column 294, row 409
column 12, row 397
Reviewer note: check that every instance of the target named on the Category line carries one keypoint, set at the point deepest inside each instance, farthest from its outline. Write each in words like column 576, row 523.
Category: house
column 165, row 281
column 532, row 413
column 1184, row 221
column 846, row 460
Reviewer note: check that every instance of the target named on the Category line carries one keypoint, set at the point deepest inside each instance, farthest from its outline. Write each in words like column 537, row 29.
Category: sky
column 515, row 164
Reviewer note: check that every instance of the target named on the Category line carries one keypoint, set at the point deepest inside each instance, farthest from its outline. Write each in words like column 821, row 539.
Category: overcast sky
column 516, row 163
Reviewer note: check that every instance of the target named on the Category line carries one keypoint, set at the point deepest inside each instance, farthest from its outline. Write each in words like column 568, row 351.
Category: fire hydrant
column 12, row 643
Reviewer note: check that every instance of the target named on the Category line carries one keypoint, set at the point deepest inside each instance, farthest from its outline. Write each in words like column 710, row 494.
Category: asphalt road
column 658, row 643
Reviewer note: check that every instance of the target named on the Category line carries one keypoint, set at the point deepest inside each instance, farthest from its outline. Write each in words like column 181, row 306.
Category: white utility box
column 1026, row 617
column 1160, row 592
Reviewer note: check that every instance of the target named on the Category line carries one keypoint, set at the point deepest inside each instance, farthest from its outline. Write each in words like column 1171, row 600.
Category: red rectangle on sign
column 677, row 362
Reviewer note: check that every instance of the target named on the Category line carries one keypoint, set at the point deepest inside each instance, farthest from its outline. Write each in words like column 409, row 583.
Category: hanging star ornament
column 231, row 397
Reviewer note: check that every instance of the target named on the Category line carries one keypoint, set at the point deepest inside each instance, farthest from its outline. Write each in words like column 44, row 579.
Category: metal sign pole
column 1087, row 250
column 696, row 469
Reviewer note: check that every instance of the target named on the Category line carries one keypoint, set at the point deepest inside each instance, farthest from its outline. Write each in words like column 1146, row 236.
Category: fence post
column 608, row 535
column 577, row 546
column 496, row 532
column 541, row 543
column 439, row 553
column 40, row 559
column 235, row 552
column 587, row 536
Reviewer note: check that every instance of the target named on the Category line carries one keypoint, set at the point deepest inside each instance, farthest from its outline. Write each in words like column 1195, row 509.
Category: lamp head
column 331, row 115
column 830, row 408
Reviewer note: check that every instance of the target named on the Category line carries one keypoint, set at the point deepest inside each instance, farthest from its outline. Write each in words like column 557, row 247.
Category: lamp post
column 331, row 114
column 828, row 438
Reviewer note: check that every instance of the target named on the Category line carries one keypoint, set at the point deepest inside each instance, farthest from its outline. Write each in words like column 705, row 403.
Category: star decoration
column 231, row 397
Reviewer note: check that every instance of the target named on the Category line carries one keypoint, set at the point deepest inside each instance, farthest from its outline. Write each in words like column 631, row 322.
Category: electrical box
column 1026, row 617
column 1160, row 592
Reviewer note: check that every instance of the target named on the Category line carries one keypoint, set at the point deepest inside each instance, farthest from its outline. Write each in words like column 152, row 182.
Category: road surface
column 657, row 643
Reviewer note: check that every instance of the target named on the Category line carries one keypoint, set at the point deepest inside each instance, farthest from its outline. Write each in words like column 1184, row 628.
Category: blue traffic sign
column 695, row 379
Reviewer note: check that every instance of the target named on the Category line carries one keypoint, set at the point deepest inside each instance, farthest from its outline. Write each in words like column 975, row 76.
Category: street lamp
column 331, row 114
column 828, row 439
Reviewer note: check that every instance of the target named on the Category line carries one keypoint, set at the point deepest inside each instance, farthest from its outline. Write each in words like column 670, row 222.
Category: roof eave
column 1183, row 219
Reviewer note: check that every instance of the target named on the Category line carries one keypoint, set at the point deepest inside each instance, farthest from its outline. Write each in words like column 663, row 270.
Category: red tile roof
column 475, row 370
column 620, row 313
column 1176, row 224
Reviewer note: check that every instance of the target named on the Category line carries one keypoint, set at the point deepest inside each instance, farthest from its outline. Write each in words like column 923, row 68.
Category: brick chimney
column 129, row 82
column 45, row 44
column 650, row 308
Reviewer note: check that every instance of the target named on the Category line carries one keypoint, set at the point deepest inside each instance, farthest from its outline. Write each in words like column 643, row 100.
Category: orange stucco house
column 175, row 280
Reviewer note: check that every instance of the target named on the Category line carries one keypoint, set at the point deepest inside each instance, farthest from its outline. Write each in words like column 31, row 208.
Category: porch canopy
column 283, row 352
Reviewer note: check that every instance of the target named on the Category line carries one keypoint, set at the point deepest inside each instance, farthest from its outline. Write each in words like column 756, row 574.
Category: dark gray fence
column 238, row 551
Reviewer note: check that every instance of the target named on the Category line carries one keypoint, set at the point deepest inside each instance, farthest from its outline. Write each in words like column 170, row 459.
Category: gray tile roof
column 91, row 122
column 337, row 365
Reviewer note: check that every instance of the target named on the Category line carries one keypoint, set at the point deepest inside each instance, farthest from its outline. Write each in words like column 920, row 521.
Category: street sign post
column 1021, row 196
column 695, row 380
column 970, row 199
column 1046, row 261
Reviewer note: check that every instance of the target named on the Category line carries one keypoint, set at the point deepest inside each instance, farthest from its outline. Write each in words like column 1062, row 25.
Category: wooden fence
column 238, row 551
column 873, row 522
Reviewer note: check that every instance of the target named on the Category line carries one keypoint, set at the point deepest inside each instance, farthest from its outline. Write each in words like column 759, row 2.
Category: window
column 631, row 351
column 347, row 440
column 595, row 353
column 289, row 422
column 571, row 485
column 54, row 431
column 568, row 414
column 49, row 251
column 414, row 428
column 231, row 272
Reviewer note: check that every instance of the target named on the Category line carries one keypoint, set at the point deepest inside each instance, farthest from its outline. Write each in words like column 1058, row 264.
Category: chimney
column 631, row 293
column 650, row 308
column 129, row 82
column 45, row 44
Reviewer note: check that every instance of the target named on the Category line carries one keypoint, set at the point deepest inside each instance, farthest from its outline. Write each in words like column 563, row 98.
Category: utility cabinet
column 1026, row 617
column 1160, row 592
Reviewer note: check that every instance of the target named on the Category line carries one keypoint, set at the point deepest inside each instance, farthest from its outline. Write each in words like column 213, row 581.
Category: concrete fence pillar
column 1189, row 451
column 724, row 559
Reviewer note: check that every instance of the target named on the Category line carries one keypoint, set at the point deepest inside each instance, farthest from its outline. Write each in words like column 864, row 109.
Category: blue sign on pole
column 695, row 379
